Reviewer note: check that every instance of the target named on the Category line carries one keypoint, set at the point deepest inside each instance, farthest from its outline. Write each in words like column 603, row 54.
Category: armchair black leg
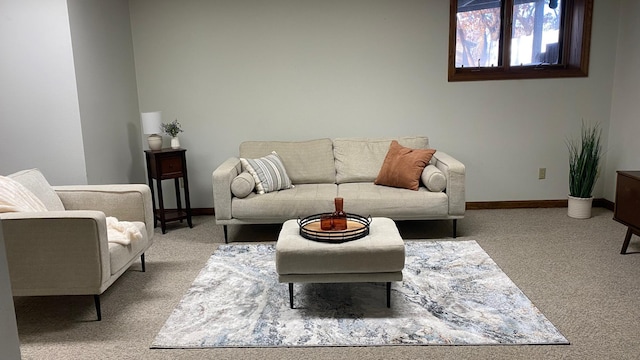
column 291, row 295
column 96, row 300
column 142, row 261
column 224, row 228
column 455, row 225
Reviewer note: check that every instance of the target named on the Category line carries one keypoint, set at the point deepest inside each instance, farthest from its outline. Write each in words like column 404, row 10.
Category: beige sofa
column 323, row 169
column 65, row 250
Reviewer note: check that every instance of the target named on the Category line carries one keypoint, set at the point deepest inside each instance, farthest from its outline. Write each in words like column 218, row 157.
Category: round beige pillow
column 433, row 178
column 242, row 185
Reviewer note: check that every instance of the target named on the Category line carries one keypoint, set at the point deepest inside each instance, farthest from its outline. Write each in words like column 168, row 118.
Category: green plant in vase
column 173, row 129
column 584, row 168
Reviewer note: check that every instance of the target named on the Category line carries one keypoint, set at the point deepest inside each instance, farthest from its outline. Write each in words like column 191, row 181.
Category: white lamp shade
column 151, row 122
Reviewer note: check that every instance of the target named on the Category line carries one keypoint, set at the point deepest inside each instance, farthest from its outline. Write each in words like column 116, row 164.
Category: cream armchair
column 65, row 251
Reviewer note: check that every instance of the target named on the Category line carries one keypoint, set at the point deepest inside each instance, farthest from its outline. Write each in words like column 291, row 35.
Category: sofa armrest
column 56, row 252
column 222, row 177
column 455, row 172
column 126, row 202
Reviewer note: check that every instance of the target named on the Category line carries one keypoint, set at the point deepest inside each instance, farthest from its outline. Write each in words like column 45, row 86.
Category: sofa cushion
column 242, row 185
column 300, row 201
column 433, row 179
column 399, row 204
column 403, row 166
column 35, row 182
column 307, row 162
column 268, row 172
column 360, row 159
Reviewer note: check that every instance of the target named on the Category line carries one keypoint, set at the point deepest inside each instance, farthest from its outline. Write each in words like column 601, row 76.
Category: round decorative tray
column 357, row 228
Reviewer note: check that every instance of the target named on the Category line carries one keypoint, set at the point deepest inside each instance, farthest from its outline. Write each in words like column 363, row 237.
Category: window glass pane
column 478, row 36
column 536, row 32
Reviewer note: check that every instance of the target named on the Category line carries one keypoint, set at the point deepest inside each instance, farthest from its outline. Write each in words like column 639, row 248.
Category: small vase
column 175, row 143
column 579, row 208
column 326, row 222
column 339, row 217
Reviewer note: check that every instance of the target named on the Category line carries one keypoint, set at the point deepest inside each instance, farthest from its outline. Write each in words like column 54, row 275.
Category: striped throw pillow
column 268, row 172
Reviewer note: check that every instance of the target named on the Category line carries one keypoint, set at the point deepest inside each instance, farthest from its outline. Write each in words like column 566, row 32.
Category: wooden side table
column 168, row 164
column 627, row 208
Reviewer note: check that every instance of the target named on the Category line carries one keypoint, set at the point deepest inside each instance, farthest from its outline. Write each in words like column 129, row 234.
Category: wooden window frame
column 576, row 42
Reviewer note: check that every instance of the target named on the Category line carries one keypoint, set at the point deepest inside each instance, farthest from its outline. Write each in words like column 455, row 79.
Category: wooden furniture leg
column 627, row 239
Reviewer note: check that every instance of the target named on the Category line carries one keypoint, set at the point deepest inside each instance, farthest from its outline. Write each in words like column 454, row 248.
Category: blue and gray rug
column 453, row 293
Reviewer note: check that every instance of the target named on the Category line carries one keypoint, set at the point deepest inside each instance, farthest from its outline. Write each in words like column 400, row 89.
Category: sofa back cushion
column 306, row 162
column 360, row 159
column 35, row 182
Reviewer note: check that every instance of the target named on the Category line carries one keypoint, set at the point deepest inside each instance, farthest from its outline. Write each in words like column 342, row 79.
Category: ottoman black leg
column 291, row 295
column 389, row 294
column 96, row 300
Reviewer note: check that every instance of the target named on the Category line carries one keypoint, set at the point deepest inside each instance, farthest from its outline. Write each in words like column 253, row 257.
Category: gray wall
column 294, row 70
column 68, row 95
column 623, row 152
column 39, row 110
column 107, row 93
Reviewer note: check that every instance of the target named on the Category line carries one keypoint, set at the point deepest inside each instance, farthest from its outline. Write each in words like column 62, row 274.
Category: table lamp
column 151, row 125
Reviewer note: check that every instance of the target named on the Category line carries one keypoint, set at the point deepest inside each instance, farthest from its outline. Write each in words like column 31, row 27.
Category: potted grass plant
column 584, row 162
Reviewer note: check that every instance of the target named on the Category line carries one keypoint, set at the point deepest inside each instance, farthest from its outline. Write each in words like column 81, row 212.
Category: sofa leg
column 96, row 300
column 142, row 261
column 388, row 294
column 455, row 223
column 224, row 228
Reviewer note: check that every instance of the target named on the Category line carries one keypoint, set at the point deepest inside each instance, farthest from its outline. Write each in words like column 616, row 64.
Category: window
column 519, row 39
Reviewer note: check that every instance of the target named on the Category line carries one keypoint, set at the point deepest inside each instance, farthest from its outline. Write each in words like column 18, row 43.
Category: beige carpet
column 570, row 269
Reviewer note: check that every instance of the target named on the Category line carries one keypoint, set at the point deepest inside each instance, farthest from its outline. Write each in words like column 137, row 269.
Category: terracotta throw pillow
column 403, row 166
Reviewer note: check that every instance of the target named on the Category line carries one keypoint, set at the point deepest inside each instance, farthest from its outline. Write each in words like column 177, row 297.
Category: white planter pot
column 579, row 208
column 175, row 143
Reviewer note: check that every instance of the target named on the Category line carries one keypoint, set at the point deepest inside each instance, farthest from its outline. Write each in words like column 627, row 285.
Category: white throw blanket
column 14, row 197
column 122, row 232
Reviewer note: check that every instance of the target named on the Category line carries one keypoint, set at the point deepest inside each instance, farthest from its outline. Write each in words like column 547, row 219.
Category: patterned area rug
column 453, row 293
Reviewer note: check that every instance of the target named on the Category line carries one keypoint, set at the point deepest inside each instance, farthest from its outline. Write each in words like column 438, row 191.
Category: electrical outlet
column 542, row 173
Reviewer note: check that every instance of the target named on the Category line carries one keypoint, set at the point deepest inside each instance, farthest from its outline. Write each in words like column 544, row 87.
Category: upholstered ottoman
column 377, row 257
